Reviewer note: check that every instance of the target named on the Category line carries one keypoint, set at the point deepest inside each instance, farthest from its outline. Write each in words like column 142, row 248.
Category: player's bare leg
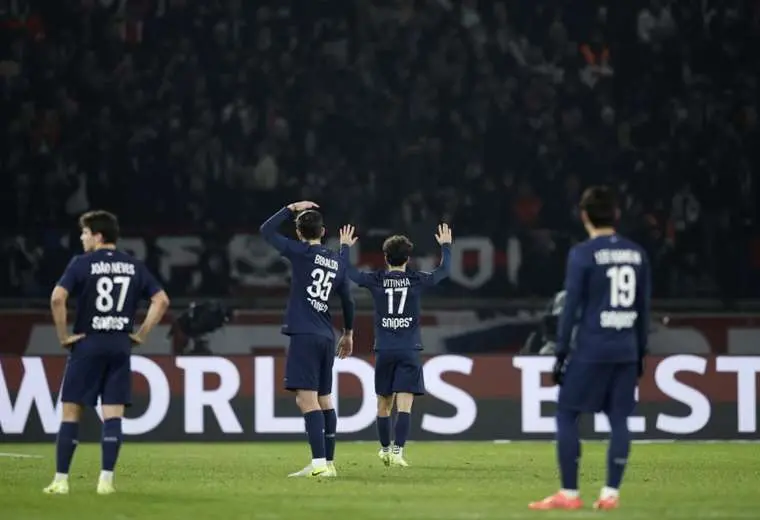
column 308, row 403
column 384, row 408
column 331, row 426
column 404, row 403
column 110, row 446
column 66, row 443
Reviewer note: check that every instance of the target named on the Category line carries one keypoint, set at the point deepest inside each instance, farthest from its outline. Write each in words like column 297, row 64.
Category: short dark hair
column 101, row 222
column 600, row 205
column 309, row 224
column 397, row 250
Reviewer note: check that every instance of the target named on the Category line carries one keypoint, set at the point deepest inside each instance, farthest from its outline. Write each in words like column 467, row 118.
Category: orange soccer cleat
column 605, row 504
column 557, row 501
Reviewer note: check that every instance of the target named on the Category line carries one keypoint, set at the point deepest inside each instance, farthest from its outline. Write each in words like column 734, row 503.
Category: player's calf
column 384, row 407
column 110, row 445
column 65, row 446
column 315, row 426
column 568, row 454
column 404, row 403
column 617, row 460
column 331, row 427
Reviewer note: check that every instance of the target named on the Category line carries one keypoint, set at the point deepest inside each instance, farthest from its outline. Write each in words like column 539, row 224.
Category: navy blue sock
column 315, row 430
column 331, row 425
column 65, row 445
column 384, row 431
column 617, row 452
column 568, row 448
column 110, row 443
column 403, row 425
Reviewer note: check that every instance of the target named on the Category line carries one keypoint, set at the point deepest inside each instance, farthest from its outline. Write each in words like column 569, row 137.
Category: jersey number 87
column 104, row 302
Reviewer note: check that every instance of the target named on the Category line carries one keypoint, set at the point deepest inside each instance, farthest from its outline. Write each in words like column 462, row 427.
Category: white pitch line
column 19, row 455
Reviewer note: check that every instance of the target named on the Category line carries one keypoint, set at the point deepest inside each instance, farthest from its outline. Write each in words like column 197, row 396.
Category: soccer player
column 316, row 271
column 108, row 284
column 396, row 292
column 607, row 302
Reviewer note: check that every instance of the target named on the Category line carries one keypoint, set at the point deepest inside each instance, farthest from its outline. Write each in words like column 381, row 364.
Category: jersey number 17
column 622, row 286
column 401, row 301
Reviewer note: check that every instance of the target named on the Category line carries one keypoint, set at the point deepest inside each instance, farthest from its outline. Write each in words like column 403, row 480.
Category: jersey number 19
column 622, row 286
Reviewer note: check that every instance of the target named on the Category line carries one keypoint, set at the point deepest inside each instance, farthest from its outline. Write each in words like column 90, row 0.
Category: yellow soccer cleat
column 385, row 456
column 331, row 471
column 57, row 487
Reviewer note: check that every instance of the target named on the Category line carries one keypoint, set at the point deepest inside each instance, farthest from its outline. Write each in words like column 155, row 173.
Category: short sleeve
column 72, row 275
column 150, row 286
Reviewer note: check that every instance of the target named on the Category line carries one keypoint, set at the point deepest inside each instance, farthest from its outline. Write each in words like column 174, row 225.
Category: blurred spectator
column 493, row 114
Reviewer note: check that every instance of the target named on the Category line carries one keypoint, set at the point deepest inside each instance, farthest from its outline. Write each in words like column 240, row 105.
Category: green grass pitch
column 467, row 481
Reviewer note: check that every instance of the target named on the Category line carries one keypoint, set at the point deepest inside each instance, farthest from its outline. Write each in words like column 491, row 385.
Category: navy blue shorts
column 590, row 387
column 398, row 371
column 98, row 367
column 309, row 365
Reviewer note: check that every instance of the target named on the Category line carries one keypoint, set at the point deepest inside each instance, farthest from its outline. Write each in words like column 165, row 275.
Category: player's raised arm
column 346, row 343
column 269, row 228
column 443, row 237
column 69, row 281
column 349, row 307
column 347, row 239
column 643, row 304
column 574, row 276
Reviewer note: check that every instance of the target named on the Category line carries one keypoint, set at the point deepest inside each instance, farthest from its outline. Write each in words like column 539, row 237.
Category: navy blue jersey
column 108, row 285
column 317, row 273
column 608, row 298
column 396, row 295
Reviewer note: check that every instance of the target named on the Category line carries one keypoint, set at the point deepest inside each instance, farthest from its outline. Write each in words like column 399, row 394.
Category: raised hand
column 347, row 237
column 444, row 234
column 303, row 205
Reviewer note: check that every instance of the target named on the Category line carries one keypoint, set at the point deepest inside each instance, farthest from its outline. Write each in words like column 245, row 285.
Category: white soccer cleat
column 305, row 472
column 397, row 459
column 105, row 487
column 57, row 487
column 385, row 456
column 312, row 471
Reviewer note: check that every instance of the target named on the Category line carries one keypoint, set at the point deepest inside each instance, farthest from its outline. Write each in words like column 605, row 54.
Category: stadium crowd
column 182, row 114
